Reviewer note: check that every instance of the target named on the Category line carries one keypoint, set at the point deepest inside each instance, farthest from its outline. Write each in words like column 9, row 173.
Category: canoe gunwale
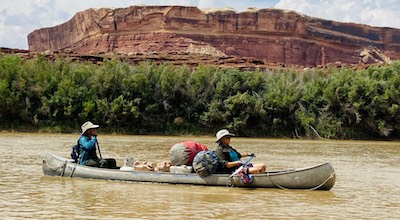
column 319, row 177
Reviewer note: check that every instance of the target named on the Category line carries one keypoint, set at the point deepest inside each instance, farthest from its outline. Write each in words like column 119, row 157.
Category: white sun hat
column 88, row 125
column 222, row 133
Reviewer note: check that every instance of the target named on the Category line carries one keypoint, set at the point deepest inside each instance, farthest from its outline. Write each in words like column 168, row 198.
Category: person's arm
column 233, row 164
column 249, row 155
column 88, row 144
column 222, row 158
column 237, row 163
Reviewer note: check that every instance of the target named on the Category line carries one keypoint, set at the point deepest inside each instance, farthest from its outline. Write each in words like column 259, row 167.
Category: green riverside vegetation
column 58, row 96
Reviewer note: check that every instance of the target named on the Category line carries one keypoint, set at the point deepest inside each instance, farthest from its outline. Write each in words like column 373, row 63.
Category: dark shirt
column 224, row 157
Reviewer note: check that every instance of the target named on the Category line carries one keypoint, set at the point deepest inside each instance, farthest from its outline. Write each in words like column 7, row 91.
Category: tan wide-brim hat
column 88, row 125
column 222, row 133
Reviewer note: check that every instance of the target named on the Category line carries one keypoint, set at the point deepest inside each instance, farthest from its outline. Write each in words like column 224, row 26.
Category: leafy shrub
column 332, row 102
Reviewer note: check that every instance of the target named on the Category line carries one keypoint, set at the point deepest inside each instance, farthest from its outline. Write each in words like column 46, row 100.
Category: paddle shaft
column 98, row 147
column 241, row 167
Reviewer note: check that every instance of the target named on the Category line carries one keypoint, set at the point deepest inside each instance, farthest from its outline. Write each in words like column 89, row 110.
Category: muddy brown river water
column 367, row 181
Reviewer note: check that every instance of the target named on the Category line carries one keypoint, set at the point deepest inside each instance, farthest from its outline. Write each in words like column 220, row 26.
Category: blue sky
column 20, row 17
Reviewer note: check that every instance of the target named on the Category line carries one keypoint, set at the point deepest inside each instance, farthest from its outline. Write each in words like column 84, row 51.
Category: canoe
column 319, row 177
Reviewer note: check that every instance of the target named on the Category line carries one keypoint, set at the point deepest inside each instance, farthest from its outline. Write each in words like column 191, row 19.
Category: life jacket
column 76, row 152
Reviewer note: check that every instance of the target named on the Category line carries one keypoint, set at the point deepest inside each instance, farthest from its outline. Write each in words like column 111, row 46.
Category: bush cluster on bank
column 148, row 98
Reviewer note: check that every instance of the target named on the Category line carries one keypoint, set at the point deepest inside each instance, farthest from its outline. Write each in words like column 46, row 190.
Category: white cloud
column 20, row 17
column 373, row 12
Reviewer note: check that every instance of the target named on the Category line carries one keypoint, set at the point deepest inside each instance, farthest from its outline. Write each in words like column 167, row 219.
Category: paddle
column 98, row 147
column 241, row 167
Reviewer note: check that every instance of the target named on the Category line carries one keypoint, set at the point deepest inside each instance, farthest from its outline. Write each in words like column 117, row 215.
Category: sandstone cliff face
column 269, row 34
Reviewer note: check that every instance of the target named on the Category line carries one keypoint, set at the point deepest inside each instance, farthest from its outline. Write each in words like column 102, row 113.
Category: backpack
column 76, row 151
column 205, row 163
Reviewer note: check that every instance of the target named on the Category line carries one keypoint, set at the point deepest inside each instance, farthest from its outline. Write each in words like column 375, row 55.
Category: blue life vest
column 233, row 155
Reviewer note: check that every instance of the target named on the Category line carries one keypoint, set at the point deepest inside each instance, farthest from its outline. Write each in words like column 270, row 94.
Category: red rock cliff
column 270, row 34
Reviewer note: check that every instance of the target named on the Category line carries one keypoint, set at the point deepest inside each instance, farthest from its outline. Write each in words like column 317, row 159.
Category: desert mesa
column 273, row 35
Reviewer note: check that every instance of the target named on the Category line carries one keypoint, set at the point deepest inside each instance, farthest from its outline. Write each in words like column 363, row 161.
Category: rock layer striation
column 273, row 35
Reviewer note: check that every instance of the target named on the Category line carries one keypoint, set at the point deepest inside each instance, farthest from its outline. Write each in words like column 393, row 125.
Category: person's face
column 226, row 140
column 91, row 132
